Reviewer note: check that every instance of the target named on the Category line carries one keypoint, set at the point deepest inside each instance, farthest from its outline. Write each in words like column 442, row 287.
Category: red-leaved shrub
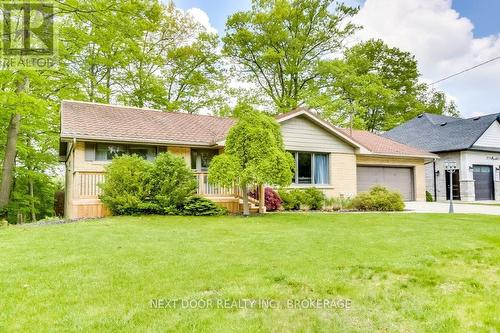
column 272, row 199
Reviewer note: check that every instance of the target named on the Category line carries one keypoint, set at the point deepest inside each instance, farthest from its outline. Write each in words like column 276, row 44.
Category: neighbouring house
column 339, row 162
column 473, row 144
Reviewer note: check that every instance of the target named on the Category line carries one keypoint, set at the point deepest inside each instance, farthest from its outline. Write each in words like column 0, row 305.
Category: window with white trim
column 311, row 168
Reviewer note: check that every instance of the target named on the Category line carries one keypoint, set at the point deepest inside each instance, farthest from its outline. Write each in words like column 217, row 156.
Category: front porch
column 86, row 203
column 230, row 198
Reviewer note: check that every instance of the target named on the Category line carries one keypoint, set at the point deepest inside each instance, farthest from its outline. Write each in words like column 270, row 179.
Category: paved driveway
column 441, row 207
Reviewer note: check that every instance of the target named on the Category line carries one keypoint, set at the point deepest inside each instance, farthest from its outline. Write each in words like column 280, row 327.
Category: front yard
column 400, row 272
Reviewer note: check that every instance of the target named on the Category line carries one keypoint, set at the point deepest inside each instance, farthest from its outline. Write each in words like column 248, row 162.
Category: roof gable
column 490, row 137
column 450, row 135
column 302, row 112
column 302, row 134
column 366, row 142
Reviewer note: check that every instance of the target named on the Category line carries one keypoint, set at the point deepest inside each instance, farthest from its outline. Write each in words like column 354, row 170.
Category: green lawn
column 401, row 273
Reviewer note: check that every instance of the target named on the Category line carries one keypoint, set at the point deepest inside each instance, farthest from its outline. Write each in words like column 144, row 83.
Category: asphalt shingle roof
column 437, row 133
column 384, row 146
column 94, row 121
column 101, row 122
column 438, row 119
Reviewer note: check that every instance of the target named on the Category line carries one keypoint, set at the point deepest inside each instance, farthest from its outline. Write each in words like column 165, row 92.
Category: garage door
column 483, row 182
column 396, row 179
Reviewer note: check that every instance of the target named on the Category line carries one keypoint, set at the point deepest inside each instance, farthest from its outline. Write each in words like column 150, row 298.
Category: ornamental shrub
column 136, row 186
column 428, row 197
column 272, row 199
column 172, row 182
column 314, row 198
column 199, row 206
column 338, row 203
column 292, row 199
column 127, row 187
column 379, row 198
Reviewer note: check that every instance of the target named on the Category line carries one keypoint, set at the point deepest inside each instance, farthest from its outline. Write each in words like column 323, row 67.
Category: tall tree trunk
column 9, row 161
column 246, row 209
column 92, row 84
column 108, row 85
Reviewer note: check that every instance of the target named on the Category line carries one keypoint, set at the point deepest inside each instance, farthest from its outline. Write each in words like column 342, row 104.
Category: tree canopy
column 254, row 154
column 374, row 87
column 143, row 53
column 277, row 45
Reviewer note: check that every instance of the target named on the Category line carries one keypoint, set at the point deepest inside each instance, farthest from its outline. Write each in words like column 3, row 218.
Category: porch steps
column 235, row 205
column 251, row 206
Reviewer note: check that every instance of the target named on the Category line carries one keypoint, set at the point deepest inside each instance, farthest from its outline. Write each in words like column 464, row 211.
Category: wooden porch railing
column 87, row 188
column 88, row 184
column 211, row 190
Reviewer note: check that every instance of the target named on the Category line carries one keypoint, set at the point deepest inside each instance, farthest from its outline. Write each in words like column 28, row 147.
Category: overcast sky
column 446, row 36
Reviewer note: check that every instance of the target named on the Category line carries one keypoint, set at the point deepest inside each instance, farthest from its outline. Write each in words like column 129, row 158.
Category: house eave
column 453, row 150
column 151, row 142
column 423, row 156
column 485, row 149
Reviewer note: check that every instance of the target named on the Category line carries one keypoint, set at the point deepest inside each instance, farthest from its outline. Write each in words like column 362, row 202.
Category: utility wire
column 465, row 70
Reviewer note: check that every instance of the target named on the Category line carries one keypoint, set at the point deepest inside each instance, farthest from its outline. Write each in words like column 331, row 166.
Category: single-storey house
column 339, row 162
column 472, row 143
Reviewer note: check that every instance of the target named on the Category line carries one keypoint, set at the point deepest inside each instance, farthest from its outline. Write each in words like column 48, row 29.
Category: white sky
column 443, row 43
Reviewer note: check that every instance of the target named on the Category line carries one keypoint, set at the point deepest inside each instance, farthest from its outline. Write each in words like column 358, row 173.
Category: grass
column 401, row 273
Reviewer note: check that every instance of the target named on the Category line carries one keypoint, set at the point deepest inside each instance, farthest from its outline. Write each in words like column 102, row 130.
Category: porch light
column 450, row 165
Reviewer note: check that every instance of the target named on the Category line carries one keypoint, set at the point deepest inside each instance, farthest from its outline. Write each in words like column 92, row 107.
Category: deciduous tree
column 374, row 87
column 277, row 45
column 254, row 154
column 30, row 135
column 143, row 53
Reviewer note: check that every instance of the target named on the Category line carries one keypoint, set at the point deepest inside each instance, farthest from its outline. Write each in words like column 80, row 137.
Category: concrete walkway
column 441, row 207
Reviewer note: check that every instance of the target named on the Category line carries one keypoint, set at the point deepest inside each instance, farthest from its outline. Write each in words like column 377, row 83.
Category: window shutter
column 89, row 151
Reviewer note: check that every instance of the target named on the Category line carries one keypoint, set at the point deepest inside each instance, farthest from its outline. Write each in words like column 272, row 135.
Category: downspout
column 434, row 176
column 73, row 152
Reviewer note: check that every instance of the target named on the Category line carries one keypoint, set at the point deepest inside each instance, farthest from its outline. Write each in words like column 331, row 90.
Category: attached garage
column 395, row 178
column 484, row 182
